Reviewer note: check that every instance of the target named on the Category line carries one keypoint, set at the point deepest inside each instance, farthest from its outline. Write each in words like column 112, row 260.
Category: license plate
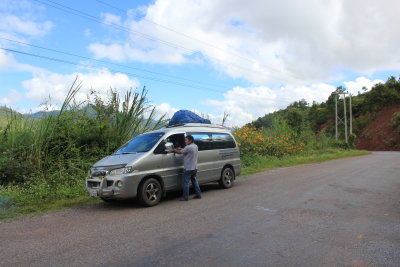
column 93, row 193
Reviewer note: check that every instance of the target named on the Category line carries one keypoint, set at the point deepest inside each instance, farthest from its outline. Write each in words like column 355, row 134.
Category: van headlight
column 119, row 184
column 121, row 171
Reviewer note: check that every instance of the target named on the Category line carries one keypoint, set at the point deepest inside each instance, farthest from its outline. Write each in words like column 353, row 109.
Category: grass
column 15, row 203
column 4, row 114
column 37, row 208
column 260, row 163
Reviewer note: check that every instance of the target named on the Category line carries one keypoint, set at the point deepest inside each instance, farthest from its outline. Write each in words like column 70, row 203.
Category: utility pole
column 336, row 117
column 339, row 91
column 345, row 117
column 351, row 117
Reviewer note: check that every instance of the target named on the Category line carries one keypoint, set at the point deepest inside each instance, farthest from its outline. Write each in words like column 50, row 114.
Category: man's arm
column 178, row 150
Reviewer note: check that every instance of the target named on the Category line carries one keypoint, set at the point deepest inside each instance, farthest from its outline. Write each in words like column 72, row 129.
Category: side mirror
column 169, row 147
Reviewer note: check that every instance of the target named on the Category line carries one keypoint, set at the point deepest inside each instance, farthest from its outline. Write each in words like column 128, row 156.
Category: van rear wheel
column 227, row 178
column 150, row 192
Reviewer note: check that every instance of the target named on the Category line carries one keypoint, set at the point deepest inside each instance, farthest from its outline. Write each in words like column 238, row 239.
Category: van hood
column 122, row 159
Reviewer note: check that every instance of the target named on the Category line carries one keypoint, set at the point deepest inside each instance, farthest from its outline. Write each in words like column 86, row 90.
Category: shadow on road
column 134, row 203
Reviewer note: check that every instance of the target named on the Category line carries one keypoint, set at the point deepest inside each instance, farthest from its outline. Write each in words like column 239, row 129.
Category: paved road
column 341, row 212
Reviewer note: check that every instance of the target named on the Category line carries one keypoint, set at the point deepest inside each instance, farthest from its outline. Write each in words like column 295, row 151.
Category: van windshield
column 142, row 143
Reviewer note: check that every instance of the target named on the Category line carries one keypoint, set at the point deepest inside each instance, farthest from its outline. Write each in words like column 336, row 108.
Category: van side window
column 209, row 141
column 223, row 140
column 160, row 149
column 177, row 139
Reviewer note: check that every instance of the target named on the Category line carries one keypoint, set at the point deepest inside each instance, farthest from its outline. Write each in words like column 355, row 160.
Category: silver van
column 147, row 167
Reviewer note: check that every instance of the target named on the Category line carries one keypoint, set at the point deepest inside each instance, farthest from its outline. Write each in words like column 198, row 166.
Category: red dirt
column 379, row 135
column 324, row 125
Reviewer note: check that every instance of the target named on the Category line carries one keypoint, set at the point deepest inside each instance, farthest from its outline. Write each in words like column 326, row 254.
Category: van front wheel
column 150, row 192
column 227, row 178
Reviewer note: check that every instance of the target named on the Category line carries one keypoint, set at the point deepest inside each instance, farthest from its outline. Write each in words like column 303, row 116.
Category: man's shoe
column 183, row 199
column 197, row 197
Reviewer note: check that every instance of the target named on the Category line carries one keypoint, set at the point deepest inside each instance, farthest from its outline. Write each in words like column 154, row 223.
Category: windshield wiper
column 123, row 153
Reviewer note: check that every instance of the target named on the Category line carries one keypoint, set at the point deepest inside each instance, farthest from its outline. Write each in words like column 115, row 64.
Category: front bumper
column 107, row 187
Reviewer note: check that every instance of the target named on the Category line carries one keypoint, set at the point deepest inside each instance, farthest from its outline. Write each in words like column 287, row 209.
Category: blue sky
column 208, row 56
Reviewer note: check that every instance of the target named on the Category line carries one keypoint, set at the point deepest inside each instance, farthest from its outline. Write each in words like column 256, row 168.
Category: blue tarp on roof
column 186, row 116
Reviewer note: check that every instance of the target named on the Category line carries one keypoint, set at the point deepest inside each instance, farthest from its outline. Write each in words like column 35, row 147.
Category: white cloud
column 9, row 63
column 9, row 99
column 114, row 51
column 11, row 5
column 355, row 87
column 111, row 19
column 165, row 108
column 245, row 104
column 6, row 60
column 5, row 101
column 55, row 86
column 87, row 32
column 286, row 41
column 125, row 52
column 17, row 25
column 20, row 21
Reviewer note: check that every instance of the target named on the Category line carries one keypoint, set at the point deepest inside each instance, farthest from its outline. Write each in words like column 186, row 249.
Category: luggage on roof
column 187, row 116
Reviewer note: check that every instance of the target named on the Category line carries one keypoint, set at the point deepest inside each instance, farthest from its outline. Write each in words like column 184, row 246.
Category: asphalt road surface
column 341, row 212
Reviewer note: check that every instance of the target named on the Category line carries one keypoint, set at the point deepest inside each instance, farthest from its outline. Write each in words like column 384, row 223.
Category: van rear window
column 209, row 141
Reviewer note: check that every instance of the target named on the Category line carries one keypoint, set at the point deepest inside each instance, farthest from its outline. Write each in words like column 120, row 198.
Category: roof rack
column 196, row 125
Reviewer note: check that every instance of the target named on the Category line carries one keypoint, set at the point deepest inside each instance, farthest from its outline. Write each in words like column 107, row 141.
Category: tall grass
column 47, row 158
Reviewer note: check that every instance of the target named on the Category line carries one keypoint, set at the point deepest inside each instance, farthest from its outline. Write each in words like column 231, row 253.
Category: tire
column 227, row 178
column 150, row 192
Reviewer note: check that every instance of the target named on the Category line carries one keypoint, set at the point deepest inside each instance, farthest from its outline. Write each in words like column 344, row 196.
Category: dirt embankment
column 379, row 135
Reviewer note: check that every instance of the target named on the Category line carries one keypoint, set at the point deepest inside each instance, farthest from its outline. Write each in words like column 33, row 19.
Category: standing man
column 190, row 152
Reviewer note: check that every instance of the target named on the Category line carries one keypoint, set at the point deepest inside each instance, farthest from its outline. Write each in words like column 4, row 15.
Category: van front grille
column 109, row 183
column 92, row 184
column 101, row 173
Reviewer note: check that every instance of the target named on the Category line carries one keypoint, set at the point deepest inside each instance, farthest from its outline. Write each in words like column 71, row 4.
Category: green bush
column 341, row 144
column 395, row 120
column 352, row 141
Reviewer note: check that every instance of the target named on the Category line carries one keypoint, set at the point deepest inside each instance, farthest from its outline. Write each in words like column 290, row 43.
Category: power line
column 147, row 36
column 104, row 61
column 111, row 70
column 93, row 18
column 175, row 31
column 126, row 73
column 195, row 39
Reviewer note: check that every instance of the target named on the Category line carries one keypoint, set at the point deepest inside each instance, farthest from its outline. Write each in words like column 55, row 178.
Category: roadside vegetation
column 282, row 146
column 43, row 162
column 315, row 118
column 304, row 133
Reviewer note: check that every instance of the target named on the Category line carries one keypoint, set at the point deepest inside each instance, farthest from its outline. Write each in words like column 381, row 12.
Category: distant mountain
column 41, row 114
column 6, row 111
